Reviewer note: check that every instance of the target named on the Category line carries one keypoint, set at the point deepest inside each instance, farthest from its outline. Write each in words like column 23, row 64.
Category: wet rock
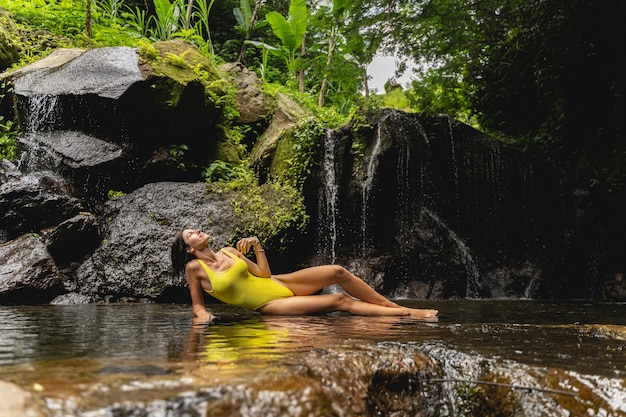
column 15, row 402
column 35, row 201
column 73, row 239
column 72, row 298
column 133, row 262
column 138, row 369
column 28, row 274
column 115, row 71
column 8, row 171
column 110, row 112
column 93, row 166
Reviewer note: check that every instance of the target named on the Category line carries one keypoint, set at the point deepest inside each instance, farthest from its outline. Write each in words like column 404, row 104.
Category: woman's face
column 195, row 238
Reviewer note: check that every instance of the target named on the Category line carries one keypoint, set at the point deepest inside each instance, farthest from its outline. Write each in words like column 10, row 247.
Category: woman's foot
column 422, row 313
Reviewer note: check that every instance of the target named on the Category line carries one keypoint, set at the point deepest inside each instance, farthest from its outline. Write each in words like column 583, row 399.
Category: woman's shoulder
column 193, row 266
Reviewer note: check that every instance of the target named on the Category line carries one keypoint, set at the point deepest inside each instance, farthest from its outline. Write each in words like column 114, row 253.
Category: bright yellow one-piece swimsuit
column 237, row 286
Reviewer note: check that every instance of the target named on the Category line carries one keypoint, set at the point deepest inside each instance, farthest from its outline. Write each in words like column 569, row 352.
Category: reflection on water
column 579, row 336
column 61, row 346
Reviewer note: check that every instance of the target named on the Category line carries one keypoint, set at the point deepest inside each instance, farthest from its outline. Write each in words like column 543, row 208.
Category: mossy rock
column 10, row 44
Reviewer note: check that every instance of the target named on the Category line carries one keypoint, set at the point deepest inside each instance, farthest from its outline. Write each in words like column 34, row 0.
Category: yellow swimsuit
column 238, row 287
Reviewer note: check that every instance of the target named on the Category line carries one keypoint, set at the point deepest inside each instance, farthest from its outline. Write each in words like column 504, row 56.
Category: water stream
column 102, row 360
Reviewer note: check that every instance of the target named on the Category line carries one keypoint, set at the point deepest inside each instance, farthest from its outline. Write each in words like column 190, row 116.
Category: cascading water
column 41, row 112
column 472, row 286
column 368, row 183
column 455, row 170
column 328, row 211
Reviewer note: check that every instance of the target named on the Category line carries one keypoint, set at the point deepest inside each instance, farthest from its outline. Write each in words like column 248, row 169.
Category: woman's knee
column 343, row 301
column 340, row 273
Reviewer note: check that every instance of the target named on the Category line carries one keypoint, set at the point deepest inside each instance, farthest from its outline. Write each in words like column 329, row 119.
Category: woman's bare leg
column 321, row 304
column 310, row 280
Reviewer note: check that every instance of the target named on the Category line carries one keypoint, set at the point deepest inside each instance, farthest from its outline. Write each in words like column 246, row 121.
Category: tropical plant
column 165, row 19
column 202, row 10
column 290, row 31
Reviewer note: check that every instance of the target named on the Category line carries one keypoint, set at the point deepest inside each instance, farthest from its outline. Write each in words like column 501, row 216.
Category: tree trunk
column 188, row 14
column 88, row 19
column 329, row 60
column 257, row 6
column 302, row 69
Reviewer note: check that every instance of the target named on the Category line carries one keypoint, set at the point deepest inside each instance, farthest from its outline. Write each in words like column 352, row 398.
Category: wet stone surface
column 151, row 360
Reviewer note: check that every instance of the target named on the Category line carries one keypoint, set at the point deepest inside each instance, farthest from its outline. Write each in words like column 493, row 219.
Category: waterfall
column 368, row 182
column 472, row 286
column 41, row 112
column 328, row 205
column 455, row 171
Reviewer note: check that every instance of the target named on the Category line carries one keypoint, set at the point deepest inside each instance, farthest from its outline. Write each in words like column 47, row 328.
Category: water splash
column 41, row 112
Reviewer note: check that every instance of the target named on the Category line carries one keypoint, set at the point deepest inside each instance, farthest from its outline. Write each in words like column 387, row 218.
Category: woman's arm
column 262, row 267
column 192, row 274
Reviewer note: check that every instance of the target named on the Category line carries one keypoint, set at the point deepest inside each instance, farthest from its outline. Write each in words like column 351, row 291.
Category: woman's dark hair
column 180, row 256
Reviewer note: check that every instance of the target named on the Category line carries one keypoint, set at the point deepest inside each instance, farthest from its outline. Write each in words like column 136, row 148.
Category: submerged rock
column 16, row 402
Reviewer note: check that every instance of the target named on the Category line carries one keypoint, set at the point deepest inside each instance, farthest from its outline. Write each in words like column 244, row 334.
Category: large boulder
column 28, row 274
column 251, row 102
column 133, row 262
column 119, row 117
column 34, row 201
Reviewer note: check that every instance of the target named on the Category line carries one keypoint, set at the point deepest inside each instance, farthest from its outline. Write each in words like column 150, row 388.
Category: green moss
column 10, row 42
column 178, row 60
column 295, row 153
column 274, row 212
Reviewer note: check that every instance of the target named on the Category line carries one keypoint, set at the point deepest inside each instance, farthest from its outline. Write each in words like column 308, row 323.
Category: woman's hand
column 203, row 316
column 246, row 243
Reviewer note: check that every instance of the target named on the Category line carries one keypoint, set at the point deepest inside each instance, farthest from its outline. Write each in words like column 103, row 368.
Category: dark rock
column 32, row 202
column 73, row 239
column 28, row 274
column 94, row 166
column 134, row 262
column 113, row 71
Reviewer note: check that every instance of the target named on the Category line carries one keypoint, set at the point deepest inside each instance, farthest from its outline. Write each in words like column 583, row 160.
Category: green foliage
column 305, row 145
column 138, row 20
column 111, row 194
column 8, row 135
column 397, row 99
column 110, row 9
column 290, row 31
column 202, row 10
column 243, row 14
column 222, row 171
column 165, row 19
column 8, row 130
column 271, row 211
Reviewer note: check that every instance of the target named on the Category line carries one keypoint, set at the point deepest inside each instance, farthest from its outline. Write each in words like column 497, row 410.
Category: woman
column 231, row 277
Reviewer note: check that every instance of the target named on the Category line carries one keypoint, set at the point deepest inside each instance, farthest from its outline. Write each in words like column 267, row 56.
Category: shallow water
column 67, row 350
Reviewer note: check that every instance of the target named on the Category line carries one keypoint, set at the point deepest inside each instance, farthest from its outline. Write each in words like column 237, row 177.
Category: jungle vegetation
column 546, row 75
